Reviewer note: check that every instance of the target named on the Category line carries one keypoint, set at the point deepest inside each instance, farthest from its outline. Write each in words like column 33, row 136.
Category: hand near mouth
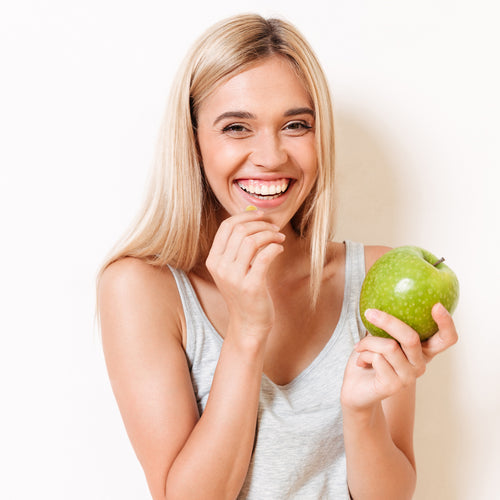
column 239, row 260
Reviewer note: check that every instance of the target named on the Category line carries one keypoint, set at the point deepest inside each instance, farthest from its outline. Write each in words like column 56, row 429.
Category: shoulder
column 336, row 251
column 132, row 291
column 132, row 271
column 372, row 253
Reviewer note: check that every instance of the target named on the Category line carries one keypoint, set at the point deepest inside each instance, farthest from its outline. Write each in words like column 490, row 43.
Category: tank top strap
column 354, row 276
column 186, row 292
column 196, row 320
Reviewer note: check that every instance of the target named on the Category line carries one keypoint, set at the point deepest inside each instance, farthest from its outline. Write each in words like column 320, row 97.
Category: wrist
column 248, row 329
column 246, row 340
column 364, row 416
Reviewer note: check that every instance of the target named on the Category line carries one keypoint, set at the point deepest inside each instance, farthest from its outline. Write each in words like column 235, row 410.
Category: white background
column 82, row 90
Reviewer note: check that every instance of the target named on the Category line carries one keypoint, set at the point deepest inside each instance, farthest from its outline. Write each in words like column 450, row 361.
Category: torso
column 300, row 332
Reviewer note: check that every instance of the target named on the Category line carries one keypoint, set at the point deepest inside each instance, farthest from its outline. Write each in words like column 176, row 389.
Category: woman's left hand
column 381, row 367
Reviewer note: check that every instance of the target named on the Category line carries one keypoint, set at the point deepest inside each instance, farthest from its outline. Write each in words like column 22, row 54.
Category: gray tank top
column 299, row 447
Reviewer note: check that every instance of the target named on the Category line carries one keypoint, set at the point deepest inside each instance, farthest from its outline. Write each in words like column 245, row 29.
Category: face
column 256, row 134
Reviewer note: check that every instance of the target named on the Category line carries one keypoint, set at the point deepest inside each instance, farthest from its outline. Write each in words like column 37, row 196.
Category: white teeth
column 256, row 187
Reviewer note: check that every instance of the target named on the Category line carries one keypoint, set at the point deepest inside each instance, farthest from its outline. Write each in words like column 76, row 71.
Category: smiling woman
column 264, row 154
column 232, row 336
column 228, row 49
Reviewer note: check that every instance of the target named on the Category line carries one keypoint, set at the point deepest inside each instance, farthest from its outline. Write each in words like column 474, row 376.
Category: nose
column 268, row 151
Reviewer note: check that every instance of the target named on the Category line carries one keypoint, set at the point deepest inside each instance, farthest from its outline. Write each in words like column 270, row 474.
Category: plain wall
column 83, row 89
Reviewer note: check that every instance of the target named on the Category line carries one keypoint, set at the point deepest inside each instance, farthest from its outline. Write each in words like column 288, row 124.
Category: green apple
column 406, row 282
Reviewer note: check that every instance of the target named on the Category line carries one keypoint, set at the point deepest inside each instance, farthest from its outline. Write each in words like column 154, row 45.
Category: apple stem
column 438, row 262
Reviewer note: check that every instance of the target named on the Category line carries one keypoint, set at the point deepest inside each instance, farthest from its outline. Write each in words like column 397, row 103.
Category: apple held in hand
column 406, row 282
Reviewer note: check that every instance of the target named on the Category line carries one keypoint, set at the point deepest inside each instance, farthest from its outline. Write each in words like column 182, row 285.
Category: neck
column 294, row 262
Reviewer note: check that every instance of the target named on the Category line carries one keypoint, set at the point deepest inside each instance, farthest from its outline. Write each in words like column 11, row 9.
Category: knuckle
column 210, row 264
column 251, row 242
column 249, row 288
column 225, row 224
column 239, row 230
column 271, row 251
column 392, row 346
column 413, row 340
column 407, row 380
column 224, row 269
column 453, row 337
column 420, row 369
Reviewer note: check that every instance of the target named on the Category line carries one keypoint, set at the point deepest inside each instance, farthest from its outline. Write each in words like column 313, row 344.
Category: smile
column 264, row 190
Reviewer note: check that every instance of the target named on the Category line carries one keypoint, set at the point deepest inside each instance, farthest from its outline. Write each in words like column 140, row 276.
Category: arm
column 183, row 455
column 378, row 401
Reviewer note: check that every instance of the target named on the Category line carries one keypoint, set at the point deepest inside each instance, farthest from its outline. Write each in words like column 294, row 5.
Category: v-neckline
column 324, row 350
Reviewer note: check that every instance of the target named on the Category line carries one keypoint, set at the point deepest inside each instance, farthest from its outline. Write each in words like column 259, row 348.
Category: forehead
column 272, row 83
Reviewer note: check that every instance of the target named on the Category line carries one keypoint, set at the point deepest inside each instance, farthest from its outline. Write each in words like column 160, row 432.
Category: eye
column 236, row 130
column 297, row 127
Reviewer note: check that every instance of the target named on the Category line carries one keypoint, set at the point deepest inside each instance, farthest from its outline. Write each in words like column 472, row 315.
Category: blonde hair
column 177, row 223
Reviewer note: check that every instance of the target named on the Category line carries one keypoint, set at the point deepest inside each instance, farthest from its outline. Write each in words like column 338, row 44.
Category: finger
column 407, row 337
column 364, row 359
column 387, row 381
column 247, row 239
column 446, row 335
column 393, row 354
column 243, row 245
column 263, row 259
column 226, row 228
column 254, row 243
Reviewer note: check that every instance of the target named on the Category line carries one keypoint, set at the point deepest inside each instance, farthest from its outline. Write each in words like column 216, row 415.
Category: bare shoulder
column 374, row 252
column 131, row 274
column 132, row 291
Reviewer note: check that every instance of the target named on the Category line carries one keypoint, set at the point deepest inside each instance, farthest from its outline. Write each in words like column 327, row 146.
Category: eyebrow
column 245, row 115
column 300, row 111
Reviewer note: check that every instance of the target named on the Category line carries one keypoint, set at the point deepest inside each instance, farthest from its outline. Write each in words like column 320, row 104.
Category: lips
column 264, row 189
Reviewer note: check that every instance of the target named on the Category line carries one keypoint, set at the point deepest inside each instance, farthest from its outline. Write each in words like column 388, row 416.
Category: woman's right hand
column 242, row 251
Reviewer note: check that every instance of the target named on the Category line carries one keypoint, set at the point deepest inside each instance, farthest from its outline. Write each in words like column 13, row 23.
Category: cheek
column 215, row 164
column 219, row 159
column 310, row 160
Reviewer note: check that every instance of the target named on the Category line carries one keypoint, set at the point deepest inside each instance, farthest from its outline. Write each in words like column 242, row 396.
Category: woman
column 229, row 316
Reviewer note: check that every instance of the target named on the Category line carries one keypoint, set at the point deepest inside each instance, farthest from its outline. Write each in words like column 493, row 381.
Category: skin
column 254, row 289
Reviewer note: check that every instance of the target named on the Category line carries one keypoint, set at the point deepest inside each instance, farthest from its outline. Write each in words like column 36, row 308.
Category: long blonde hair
column 177, row 223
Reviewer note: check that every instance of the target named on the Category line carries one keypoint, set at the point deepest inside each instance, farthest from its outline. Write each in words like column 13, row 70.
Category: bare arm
column 379, row 449
column 183, row 455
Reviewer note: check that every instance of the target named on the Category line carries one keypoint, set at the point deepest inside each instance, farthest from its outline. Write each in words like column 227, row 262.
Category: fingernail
column 371, row 314
column 440, row 310
column 250, row 208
